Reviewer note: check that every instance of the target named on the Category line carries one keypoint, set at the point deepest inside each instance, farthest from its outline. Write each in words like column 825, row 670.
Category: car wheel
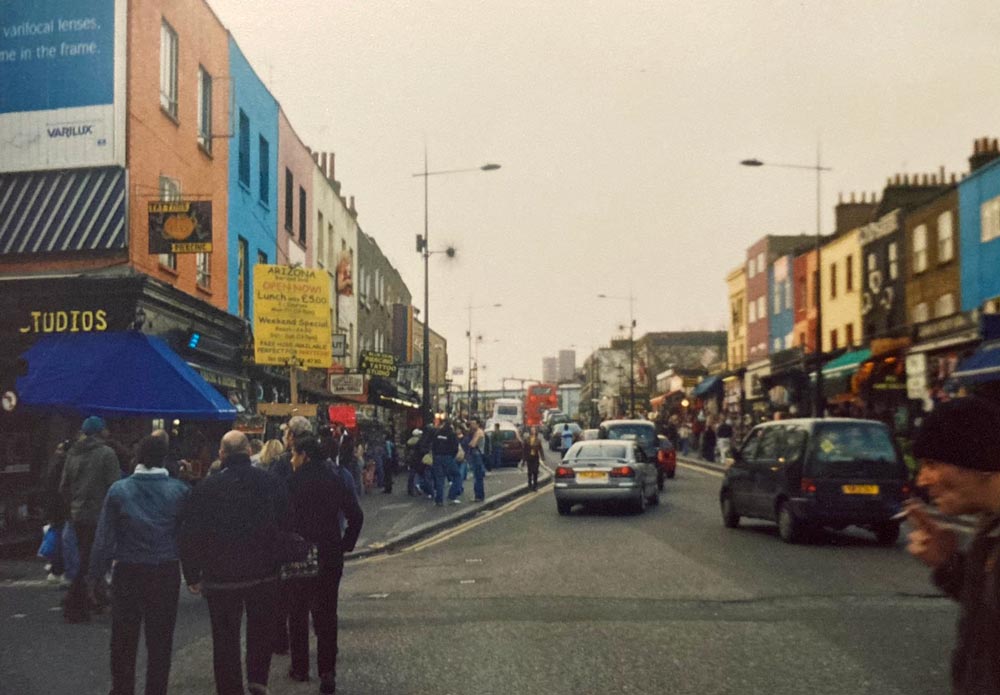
column 563, row 506
column 639, row 504
column 887, row 534
column 789, row 527
column 654, row 499
column 730, row 517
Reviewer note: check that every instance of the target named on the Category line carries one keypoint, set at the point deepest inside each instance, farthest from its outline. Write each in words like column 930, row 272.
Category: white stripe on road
column 699, row 469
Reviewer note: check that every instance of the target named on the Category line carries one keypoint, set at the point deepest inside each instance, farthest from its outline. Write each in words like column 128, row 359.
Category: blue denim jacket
column 139, row 522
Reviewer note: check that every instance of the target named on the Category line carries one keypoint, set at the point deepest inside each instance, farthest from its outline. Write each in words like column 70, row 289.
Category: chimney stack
column 984, row 151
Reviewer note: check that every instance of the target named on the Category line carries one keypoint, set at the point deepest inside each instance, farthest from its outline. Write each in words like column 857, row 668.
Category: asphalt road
column 527, row 601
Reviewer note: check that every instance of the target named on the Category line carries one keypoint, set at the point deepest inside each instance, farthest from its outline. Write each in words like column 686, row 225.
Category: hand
column 195, row 589
column 929, row 542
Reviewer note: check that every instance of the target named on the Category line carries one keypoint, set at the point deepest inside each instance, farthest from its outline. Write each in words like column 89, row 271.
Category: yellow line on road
column 699, row 469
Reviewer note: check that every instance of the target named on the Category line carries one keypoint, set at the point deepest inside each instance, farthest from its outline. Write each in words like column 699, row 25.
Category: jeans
column 225, row 608
column 532, row 475
column 442, row 464
column 427, row 479
column 495, row 458
column 478, row 475
column 145, row 596
column 463, row 469
column 317, row 596
column 456, row 487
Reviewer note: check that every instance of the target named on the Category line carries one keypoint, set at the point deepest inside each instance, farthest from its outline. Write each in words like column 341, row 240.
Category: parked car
column 549, row 419
column 589, row 434
column 644, row 434
column 555, row 439
column 605, row 471
column 511, row 446
column 812, row 473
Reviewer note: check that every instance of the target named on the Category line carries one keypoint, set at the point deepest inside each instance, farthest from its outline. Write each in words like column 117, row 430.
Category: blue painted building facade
column 253, row 181
column 781, row 327
column 979, row 218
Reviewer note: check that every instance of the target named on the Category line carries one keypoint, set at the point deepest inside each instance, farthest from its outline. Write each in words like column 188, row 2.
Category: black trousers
column 77, row 603
column 319, row 597
column 144, row 596
column 225, row 608
column 532, row 475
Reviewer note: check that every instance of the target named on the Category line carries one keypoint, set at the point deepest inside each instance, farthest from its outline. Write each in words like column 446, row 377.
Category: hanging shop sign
column 379, row 364
column 291, row 316
column 340, row 345
column 347, row 384
column 180, row 226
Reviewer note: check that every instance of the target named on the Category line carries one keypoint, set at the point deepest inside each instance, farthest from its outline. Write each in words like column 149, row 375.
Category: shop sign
column 340, row 345
column 180, row 226
column 916, row 376
column 379, row 364
column 291, row 316
column 347, row 384
column 885, row 226
column 955, row 323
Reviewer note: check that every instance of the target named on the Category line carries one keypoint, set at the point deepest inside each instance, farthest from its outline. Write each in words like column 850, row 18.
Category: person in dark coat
column 56, row 509
column 230, row 542
column 534, row 454
column 320, row 498
column 444, row 448
column 958, row 446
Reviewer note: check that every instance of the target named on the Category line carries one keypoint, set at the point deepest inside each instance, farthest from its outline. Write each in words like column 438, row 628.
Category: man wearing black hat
column 91, row 468
column 959, row 450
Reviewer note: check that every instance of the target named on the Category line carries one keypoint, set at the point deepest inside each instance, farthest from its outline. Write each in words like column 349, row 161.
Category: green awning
column 846, row 363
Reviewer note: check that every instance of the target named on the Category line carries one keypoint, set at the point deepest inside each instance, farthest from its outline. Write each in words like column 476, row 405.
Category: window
column 893, row 261
column 261, row 258
column 777, row 298
column 777, row 344
column 872, row 262
column 849, row 334
column 945, row 305
column 244, row 149
column 203, row 270
column 289, row 200
column 788, row 293
column 833, row 339
column 990, row 219
column 168, row 69
column 204, row 109
column 751, row 268
column 264, row 177
column 737, row 317
column 761, row 308
column 242, row 279
column 760, row 262
column 170, row 189
column 920, row 313
column 753, row 312
column 945, row 240
column 833, row 281
column 303, row 221
column 920, row 248
column 849, row 274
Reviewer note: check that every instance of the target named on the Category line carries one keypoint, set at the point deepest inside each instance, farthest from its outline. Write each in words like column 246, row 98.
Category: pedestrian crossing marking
column 467, row 581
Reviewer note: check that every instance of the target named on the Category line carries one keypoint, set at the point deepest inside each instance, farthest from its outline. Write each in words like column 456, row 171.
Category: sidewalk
column 396, row 520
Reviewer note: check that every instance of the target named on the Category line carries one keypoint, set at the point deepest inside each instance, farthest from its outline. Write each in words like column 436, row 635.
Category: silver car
column 606, row 471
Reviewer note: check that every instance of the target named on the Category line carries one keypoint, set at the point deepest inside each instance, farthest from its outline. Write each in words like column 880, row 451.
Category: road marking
column 699, row 469
column 468, row 525
column 379, row 596
column 467, row 581
column 473, row 559
column 18, row 616
column 55, row 608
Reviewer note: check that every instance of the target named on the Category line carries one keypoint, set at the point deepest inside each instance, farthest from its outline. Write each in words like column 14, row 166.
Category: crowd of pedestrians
column 225, row 537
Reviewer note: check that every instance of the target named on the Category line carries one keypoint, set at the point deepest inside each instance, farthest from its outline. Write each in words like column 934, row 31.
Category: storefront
column 938, row 347
column 757, row 408
column 788, row 388
column 881, row 384
column 840, row 387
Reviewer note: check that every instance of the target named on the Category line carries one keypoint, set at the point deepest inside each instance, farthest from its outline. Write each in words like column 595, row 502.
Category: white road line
column 699, row 469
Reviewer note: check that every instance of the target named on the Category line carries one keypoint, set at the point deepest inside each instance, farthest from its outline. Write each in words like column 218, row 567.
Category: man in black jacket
column 320, row 495
column 444, row 448
column 229, row 543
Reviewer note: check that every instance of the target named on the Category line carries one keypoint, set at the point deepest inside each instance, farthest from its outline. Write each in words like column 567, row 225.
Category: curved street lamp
column 631, row 348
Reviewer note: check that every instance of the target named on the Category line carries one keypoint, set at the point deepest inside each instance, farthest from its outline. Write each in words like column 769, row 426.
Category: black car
column 813, row 473
column 644, row 434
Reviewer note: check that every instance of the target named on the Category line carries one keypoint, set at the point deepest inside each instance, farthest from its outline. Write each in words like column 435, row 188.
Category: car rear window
column 506, row 410
column 507, row 435
column 641, row 433
column 853, row 450
column 602, row 451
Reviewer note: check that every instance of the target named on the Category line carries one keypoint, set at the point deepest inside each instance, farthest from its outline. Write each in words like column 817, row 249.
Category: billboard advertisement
column 62, row 65
column 291, row 316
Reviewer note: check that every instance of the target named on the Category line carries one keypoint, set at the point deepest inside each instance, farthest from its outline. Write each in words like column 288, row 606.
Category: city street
column 523, row 600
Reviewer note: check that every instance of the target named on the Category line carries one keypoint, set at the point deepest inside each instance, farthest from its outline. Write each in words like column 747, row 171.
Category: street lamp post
column 468, row 334
column 631, row 348
column 818, row 297
column 422, row 246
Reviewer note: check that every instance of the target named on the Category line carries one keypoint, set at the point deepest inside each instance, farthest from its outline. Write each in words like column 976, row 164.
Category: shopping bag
column 49, row 549
column 71, row 552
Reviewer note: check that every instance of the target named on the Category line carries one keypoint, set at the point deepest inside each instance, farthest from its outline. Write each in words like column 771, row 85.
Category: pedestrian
column 684, row 433
column 56, row 509
column 566, row 437
column 495, row 448
column 427, row 461
column 320, row 498
column 256, row 446
column 137, row 531
column 391, row 463
column 413, row 465
column 671, row 432
column 347, row 454
column 272, row 451
column 91, row 468
column 533, row 456
column 445, row 448
column 230, row 543
column 297, row 426
column 475, row 458
column 958, row 446
column 724, row 439
column 708, row 440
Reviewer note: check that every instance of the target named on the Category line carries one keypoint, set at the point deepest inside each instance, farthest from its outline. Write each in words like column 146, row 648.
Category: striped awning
column 66, row 210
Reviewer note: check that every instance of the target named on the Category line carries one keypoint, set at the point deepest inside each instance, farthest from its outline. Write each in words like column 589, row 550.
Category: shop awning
column 117, row 375
column 981, row 366
column 846, row 363
column 706, row 385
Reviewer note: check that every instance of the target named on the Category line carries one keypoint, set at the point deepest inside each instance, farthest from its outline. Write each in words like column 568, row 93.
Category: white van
column 508, row 410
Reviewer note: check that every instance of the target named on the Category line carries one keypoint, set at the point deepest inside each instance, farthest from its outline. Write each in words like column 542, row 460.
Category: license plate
column 592, row 476
column 860, row 489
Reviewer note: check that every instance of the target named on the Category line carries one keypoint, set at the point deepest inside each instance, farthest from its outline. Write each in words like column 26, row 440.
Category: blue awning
column 846, row 363
column 706, row 385
column 116, row 375
column 981, row 366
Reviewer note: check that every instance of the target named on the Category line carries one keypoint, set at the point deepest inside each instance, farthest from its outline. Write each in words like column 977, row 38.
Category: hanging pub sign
column 180, row 226
column 378, row 364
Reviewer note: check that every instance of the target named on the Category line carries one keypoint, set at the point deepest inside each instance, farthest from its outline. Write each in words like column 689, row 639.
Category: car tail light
column 564, row 472
column 808, row 485
column 623, row 472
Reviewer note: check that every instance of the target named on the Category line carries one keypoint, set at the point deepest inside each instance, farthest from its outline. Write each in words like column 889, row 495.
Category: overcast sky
column 619, row 128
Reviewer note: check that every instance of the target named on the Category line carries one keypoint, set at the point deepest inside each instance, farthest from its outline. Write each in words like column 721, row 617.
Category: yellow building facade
column 840, row 287
column 736, row 282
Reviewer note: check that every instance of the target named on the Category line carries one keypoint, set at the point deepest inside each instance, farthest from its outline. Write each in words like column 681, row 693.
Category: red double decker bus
column 539, row 398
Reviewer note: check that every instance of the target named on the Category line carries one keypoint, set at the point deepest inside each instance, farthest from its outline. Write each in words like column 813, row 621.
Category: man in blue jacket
column 230, row 543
